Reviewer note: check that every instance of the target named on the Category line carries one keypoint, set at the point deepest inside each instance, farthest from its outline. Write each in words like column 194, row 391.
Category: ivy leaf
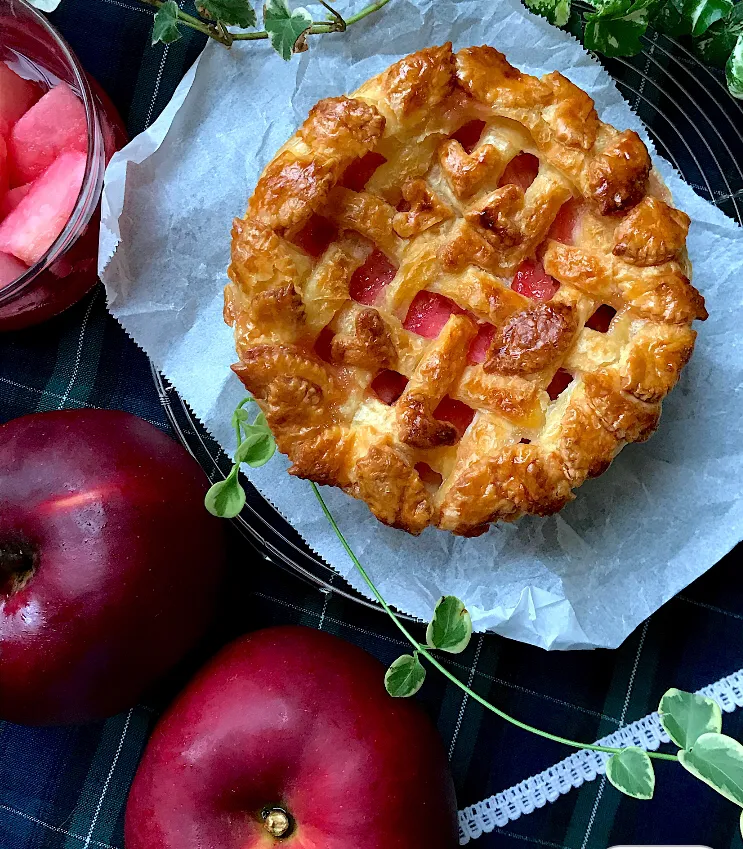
column 631, row 772
column 557, row 12
column 716, row 45
column 614, row 29
column 669, row 18
column 734, row 69
column 238, row 13
column 703, row 13
column 226, row 498
column 405, row 677
column 165, row 26
column 686, row 716
column 451, row 626
column 287, row 30
column 717, row 760
column 690, row 17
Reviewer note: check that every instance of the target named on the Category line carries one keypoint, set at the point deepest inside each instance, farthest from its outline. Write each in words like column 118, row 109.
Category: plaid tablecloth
column 67, row 787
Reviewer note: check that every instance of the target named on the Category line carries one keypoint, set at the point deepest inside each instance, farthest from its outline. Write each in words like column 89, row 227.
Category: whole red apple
column 288, row 737
column 109, row 563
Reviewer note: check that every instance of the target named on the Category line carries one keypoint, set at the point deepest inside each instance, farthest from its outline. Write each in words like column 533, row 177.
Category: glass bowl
column 67, row 271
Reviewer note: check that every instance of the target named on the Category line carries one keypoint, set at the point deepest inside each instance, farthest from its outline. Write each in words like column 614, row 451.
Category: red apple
column 288, row 737
column 109, row 563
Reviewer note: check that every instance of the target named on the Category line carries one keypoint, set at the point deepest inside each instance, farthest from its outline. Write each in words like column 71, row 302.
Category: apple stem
column 277, row 822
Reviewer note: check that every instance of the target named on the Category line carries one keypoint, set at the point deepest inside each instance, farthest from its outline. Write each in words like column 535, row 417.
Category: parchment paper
column 664, row 513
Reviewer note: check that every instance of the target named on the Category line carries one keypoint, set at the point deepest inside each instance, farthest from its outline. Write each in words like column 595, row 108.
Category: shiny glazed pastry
column 458, row 294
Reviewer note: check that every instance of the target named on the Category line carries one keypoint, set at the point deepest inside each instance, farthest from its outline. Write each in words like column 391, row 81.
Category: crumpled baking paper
column 664, row 513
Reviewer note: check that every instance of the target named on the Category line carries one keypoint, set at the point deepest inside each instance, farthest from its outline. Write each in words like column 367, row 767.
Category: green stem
column 238, row 431
column 238, row 436
column 367, row 10
column 444, row 671
column 321, row 27
column 193, row 22
column 337, row 17
column 317, row 28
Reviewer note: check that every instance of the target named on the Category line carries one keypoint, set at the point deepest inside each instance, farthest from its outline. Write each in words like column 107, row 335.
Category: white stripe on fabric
column 55, row 828
column 150, row 12
column 79, row 353
column 159, row 78
column 465, row 697
column 97, row 813
column 575, row 770
column 449, row 661
column 625, row 706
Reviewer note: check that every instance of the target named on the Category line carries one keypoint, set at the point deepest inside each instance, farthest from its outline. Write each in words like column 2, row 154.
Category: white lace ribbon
column 582, row 766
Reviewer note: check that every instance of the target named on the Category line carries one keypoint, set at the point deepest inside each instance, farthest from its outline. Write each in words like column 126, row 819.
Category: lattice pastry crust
column 422, row 285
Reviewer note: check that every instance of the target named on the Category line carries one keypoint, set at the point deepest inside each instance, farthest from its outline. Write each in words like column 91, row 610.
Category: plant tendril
column 421, row 649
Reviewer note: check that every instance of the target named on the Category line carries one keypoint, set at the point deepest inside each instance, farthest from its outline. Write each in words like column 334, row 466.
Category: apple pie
column 457, row 293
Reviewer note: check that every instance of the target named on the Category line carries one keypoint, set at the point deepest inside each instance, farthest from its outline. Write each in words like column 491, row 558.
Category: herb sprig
column 255, row 446
column 609, row 27
column 287, row 29
column 692, row 721
column 615, row 28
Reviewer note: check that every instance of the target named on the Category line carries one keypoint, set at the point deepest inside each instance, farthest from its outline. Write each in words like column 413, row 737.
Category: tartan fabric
column 66, row 788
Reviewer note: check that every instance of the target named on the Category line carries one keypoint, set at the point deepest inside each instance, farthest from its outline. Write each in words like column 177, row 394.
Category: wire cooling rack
column 695, row 124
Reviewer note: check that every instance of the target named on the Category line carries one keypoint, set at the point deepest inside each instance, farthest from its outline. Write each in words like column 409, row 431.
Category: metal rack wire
column 695, row 124
column 268, row 532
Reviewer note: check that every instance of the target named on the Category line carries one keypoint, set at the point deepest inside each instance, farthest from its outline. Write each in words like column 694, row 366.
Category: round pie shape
column 457, row 294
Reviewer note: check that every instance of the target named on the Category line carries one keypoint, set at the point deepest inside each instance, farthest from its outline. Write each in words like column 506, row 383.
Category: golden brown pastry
column 457, row 294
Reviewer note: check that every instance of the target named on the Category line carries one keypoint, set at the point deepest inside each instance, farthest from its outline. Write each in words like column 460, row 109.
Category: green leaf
column 734, row 69
column 686, row 716
column 238, row 13
column 557, row 12
column 287, row 30
column 716, row 45
column 226, row 498
column 256, row 449
column 165, row 26
column 690, row 17
column 451, row 626
column 240, row 415
column 631, row 772
column 669, row 18
column 260, row 422
column 703, row 13
column 246, row 446
column 717, row 760
column 405, row 677
column 614, row 29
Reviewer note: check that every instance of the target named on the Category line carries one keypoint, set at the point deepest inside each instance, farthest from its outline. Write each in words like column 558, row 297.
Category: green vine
column 608, row 27
column 693, row 722
column 424, row 652
column 287, row 29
